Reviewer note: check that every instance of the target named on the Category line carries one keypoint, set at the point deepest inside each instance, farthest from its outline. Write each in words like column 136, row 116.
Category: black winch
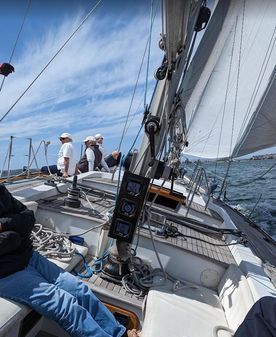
column 72, row 199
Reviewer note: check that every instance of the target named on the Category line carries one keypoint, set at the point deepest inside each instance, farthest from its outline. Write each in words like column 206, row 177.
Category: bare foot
column 133, row 333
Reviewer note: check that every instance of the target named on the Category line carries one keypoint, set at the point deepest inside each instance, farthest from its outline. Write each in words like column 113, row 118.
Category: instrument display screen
column 133, row 187
column 122, row 228
column 127, row 207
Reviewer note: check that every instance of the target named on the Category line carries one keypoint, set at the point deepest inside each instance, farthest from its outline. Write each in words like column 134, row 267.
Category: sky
column 88, row 87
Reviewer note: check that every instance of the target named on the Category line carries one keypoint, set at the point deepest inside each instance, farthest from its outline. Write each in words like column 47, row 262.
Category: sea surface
column 251, row 188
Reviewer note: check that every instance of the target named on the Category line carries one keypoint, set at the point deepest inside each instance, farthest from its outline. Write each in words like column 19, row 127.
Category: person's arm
column 22, row 222
column 16, row 216
column 90, row 159
column 66, row 167
column 9, row 241
column 104, row 166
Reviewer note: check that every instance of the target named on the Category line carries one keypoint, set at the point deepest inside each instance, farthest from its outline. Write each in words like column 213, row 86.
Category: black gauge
column 127, row 207
column 122, row 228
column 133, row 187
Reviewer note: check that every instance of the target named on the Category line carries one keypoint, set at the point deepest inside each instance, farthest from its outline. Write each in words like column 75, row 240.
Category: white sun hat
column 98, row 135
column 65, row 135
column 89, row 138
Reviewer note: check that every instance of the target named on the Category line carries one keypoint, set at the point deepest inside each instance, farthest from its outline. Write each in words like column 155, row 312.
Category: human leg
column 29, row 287
column 82, row 293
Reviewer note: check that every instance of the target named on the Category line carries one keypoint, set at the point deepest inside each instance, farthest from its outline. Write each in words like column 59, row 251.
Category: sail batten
column 233, row 95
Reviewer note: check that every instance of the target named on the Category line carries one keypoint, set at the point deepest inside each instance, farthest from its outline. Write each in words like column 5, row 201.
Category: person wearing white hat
column 111, row 160
column 92, row 159
column 67, row 155
column 99, row 140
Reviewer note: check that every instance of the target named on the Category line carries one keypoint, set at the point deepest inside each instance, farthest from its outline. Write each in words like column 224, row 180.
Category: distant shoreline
column 264, row 156
column 256, row 157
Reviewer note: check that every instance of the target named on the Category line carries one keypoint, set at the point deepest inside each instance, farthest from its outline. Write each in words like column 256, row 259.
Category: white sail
column 232, row 100
column 260, row 132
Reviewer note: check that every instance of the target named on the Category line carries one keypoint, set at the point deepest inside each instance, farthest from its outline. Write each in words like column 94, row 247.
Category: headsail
column 229, row 90
column 261, row 130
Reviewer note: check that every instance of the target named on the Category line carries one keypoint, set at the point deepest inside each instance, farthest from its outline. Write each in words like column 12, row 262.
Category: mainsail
column 229, row 89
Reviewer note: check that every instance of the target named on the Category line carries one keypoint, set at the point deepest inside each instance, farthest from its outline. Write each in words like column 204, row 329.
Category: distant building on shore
column 264, row 156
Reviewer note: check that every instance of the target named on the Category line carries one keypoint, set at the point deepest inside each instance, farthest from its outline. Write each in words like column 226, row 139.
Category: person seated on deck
column 113, row 159
column 92, row 159
column 66, row 162
column 48, row 289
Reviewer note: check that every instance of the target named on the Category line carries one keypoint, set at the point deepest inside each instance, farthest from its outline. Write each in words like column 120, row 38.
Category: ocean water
column 249, row 189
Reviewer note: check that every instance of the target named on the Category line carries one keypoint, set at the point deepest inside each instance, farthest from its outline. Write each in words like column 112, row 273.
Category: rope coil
column 51, row 244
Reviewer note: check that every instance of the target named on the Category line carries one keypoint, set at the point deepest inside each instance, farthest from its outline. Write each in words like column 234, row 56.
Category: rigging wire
column 137, row 112
column 132, row 98
column 256, row 204
column 235, row 103
column 148, row 60
column 35, row 154
column 226, row 94
column 191, row 49
column 238, row 81
column 138, row 133
column 17, row 38
column 140, row 159
column 137, row 79
column 55, row 55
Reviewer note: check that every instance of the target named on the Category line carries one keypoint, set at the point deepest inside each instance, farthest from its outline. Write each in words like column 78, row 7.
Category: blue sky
column 88, row 87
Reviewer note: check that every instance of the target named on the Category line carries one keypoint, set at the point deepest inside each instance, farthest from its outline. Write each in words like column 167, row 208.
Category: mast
column 179, row 19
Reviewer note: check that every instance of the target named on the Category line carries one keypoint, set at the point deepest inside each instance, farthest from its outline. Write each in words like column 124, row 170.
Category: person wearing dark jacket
column 260, row 320
column 93, row 158
column 29, row 278
column 16, row 224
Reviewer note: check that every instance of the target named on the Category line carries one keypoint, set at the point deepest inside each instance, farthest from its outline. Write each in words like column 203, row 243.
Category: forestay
column 229, row 89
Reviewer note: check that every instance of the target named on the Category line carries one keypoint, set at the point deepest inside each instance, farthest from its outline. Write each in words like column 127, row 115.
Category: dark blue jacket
column 260, row 320
column 15, row 243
